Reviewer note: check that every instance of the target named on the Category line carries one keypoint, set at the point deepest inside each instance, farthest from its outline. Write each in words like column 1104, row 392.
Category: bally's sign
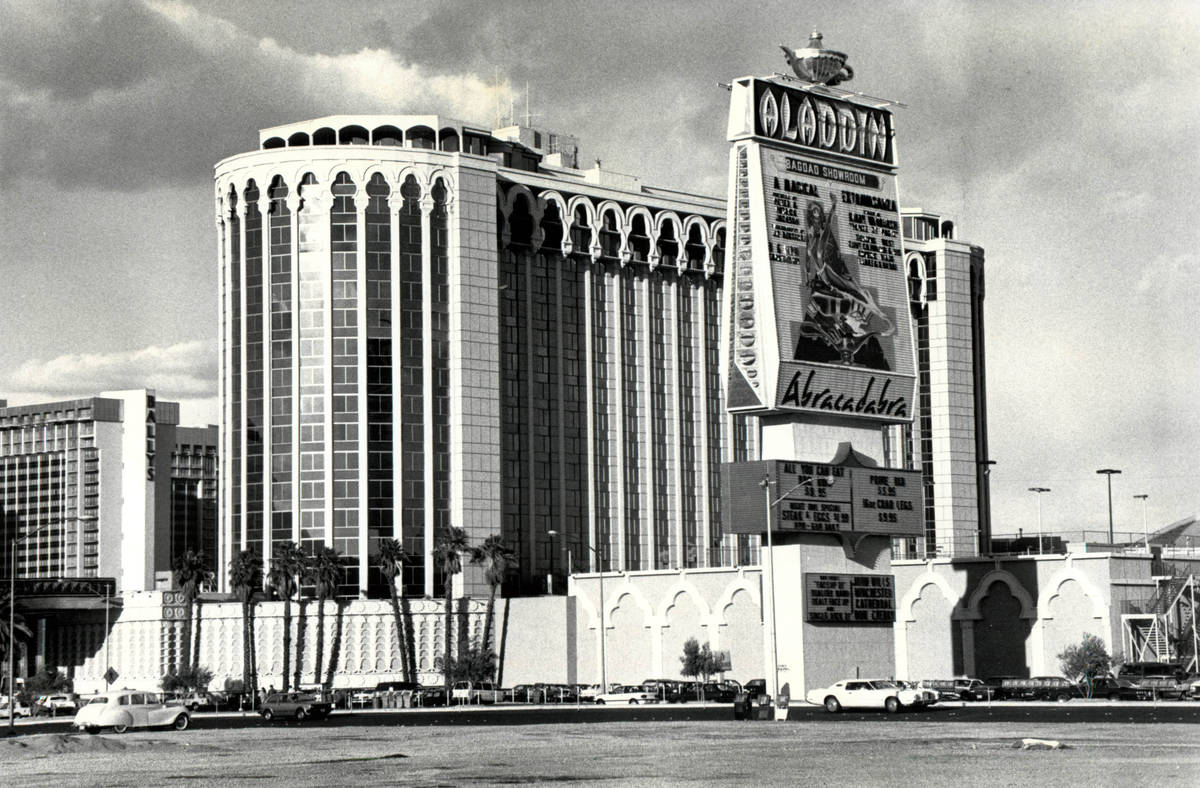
column 822, row 123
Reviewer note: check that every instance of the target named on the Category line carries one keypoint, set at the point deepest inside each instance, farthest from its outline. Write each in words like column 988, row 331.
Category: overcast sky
column 1062, row 137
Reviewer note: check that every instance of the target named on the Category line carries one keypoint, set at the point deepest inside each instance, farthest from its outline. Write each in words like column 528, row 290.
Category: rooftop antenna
column 496, row 85
column 529, row 116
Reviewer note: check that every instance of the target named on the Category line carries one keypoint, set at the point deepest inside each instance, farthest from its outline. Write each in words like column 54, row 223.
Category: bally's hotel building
column 429, row 324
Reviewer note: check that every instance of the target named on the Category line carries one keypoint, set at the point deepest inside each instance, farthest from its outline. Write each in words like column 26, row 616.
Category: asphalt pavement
column 1076, row 711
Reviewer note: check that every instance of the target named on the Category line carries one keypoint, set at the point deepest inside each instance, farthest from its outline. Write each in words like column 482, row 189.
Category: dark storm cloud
column 125, row 95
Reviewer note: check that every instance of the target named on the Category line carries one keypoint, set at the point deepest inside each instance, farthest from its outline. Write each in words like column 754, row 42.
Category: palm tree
column 191, row 575
column 325, row 572
column 8, row 639
column 451, row 544
column 391, row 560
column 245, row 577
column 497, row 558
column 287, row 562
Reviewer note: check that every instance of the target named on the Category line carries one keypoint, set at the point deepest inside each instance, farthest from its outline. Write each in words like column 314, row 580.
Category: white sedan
column 628, row 695
column 130, row 709
column 870, row 694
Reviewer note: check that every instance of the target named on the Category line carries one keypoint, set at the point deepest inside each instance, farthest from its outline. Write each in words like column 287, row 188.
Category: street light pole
column 1039, row 491
column 766, row 485
column 1109, row 473
column 1145, row 532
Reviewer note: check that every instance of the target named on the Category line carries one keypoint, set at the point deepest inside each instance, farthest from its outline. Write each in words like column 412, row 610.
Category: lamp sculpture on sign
column 816, row 64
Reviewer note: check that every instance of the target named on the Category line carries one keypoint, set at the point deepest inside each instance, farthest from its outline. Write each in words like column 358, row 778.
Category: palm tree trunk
column 410, row 648
column 404, row 667
column 449, row 625
column 181, row 661
column 320, row 640
column 287, row 644
column 253, row 609
column 196, row 635
column 301, row 638
column 487, row 621
column 335, row 651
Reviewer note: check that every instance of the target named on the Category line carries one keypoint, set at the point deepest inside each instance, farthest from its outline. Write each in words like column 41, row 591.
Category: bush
column 193, row 678
column 1085, row 661
column 699, row 660
column 474, row 664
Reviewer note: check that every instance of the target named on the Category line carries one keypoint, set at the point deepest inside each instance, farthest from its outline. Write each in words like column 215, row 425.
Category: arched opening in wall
column 610, row 236
column 449, row 141
column 552, row 228
column 948, row 230
column 520, row 223
column 251, row 192
column 278, row 191
column 916, row 279
column 581, row 231
column 377, row 188
column 352, row 135
column 718, row 254
column 668, row 244
column 639, row 239
column 421, row 137
column 274, row 142
column 387, row 135
column 694, row 249
column 298, row 139
column 324, row 136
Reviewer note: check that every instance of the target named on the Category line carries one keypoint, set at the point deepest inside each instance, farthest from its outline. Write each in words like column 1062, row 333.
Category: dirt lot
column 669, row 753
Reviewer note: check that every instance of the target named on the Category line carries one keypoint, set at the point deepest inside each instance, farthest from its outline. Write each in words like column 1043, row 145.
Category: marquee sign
column 820, row 498
column 819, row 295
column 849, row 599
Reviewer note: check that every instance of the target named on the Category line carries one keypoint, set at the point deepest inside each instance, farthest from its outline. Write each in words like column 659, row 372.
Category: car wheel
column 1063, row 697
column 599, row 702
column 832, row 705
column 1114, row 696
column 92, row 729
column 301, row 714
column 268, row 714
column 181, row 722
column 632, row 702
column 892, row 705
column 120, row 728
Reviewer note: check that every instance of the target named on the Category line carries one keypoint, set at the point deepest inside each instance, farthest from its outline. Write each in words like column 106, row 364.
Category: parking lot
column 847, row 749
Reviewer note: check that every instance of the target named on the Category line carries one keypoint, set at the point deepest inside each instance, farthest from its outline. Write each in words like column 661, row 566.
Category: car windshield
column 97, row 700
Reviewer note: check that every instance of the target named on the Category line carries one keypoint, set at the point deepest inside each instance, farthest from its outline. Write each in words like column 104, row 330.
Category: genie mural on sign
column 842, row 321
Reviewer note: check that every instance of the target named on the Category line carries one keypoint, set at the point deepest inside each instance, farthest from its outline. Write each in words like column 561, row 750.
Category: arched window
column 552, row 228
column 639, row 238
column 694, row 249
column 610, row 236
column 581, row 231
column 324, row 136
column 387, row 135
column 520, row 222
column 274, row 142
column 421, row 137
column 298, row 139
column 450, row 141
column 352, row 135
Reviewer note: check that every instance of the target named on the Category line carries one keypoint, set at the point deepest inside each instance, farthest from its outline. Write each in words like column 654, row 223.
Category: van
column 476, row 692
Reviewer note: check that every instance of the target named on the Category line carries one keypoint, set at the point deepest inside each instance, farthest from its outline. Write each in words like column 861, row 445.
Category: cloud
column 125, row 95
column 187, row 369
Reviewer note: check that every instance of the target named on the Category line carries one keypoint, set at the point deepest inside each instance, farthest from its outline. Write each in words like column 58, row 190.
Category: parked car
column 476, row 692
column 1194, row 690
column 527, row 693
column 431, row 696
column 1136, row 671
column 966, row 689
column 995, row 685
column 559, row 693
column 870, row 694
column 201, row 700
column 397, row 686
column 755, row 687
column 667, row 690
column 630, row 695
column 588, row 692
column 54, row 705
column 19, row 708
column 299, row 705
column 130, row 709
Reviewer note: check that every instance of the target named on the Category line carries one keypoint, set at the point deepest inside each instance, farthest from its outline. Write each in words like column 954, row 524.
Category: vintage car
column 870, row 694
column 127, row 709
column 297, row 705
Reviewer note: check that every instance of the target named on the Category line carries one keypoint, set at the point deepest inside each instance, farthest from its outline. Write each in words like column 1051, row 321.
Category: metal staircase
column 1166, row 628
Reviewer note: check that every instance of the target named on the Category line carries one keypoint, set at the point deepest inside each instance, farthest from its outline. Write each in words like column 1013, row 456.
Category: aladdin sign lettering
column 827, row 124
column 874, row 400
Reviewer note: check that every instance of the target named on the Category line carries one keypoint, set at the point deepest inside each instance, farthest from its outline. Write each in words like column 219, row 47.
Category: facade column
column 427, row 380
column 268, row 359
column 243, row 422
column 967, row 628
column 617, row 305
column 675, row 416
column 647, row 456
column 560, row 403
column 395, row 205
column 361, row 202
column 589, row 415
column 704, row 510
column 225, row 519
column 293, row 205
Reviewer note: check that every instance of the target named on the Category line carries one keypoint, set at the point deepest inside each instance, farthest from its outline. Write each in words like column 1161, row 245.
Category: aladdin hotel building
column 425, row 323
